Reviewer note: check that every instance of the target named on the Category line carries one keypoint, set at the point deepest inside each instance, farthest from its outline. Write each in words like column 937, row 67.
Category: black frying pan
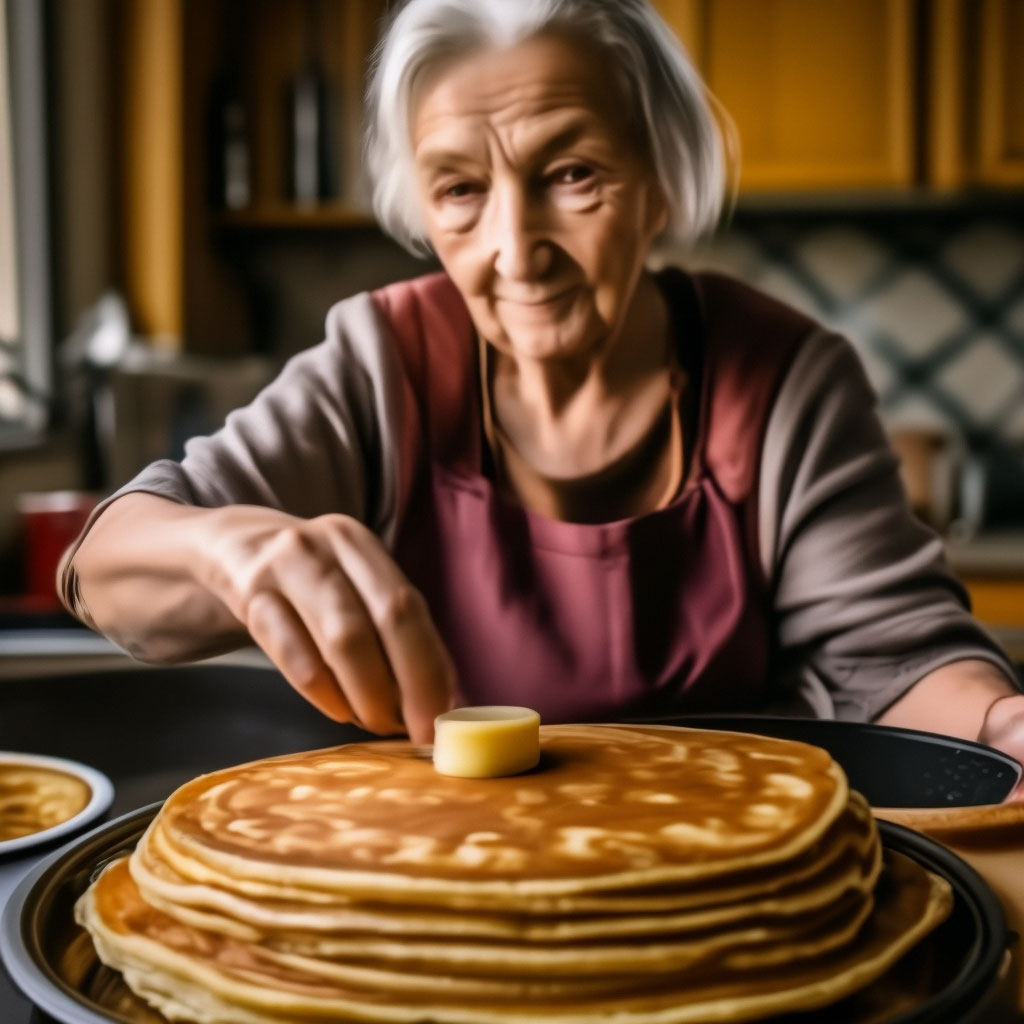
column 890, row 767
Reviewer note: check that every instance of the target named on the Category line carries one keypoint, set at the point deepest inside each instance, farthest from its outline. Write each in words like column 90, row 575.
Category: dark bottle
column 313, row 163
column 229, row 167
column 230, row 181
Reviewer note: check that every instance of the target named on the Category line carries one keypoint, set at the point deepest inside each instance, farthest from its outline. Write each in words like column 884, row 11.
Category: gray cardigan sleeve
column 322, row 437
column 864, row 602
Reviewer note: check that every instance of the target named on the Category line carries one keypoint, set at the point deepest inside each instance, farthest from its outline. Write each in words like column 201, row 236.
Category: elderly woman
column 548, row 476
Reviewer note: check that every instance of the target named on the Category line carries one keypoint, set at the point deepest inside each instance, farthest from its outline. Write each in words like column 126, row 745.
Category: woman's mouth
column 539, row 302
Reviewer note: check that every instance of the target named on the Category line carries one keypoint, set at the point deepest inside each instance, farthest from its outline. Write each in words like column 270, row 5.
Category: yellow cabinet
column 1001, row 93
column 997, row 600
column 976, row 93
column 822, row 95
column 848, row 94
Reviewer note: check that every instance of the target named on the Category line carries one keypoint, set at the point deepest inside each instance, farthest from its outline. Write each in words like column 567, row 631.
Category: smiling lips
column 537, row 301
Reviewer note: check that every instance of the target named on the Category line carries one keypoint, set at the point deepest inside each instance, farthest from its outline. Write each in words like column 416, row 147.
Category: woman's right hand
column 331, row 609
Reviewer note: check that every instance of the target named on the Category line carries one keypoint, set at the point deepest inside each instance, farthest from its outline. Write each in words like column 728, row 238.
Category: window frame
column 32, row 352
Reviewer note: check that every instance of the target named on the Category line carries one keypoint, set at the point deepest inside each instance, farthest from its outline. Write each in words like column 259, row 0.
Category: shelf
column 881, row 202
column 990, row 555
column 288, row 217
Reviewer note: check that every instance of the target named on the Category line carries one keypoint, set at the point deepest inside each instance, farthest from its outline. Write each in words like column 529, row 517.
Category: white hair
column 686, row 147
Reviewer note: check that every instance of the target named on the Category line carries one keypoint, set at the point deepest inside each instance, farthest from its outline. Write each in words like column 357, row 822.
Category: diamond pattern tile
column 916, row 412
column 733, row 253
column 933, row 302
column 982, row 379
column 916, row 312
column 987, row 256
column 1012, row 428
column 1015, row 319
column 843, row 259
column 780, row 283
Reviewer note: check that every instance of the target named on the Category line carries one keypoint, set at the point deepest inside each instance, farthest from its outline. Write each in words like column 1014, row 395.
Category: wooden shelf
column 284, row 216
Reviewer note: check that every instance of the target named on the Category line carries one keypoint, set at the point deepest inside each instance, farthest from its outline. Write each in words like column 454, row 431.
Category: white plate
column 101, row 796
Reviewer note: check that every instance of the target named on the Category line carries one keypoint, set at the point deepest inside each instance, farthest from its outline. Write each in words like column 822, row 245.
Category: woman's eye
column 574, row 174
column 458, row 190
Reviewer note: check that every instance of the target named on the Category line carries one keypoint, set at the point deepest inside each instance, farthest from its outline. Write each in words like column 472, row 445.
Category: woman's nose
column 521, row 248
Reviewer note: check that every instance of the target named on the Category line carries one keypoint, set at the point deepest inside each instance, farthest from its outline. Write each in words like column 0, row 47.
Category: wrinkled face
column 537, row 194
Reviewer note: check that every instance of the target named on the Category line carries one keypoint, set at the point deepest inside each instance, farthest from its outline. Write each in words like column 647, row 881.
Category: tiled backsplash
column 933, row 301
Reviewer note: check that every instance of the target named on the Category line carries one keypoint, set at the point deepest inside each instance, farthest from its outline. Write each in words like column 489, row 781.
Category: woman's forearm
column 138, row 578
column 954, row 700
column 321, row 596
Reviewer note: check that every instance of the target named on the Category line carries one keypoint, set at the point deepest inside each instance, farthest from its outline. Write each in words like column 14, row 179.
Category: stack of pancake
column 643, row 875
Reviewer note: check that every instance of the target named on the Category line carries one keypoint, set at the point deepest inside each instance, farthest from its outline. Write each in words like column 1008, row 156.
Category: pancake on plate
column 33, row 798
column 642, row 875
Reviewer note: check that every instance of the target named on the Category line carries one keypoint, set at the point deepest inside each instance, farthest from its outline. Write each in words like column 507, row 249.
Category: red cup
column 49, row 523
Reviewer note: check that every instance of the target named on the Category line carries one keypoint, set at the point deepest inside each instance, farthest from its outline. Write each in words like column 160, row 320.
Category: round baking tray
column 53, row 962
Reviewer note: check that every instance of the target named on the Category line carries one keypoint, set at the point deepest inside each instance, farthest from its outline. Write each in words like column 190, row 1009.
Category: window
column 25, row 314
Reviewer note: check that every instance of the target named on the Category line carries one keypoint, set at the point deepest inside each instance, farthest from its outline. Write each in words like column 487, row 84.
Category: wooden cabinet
column 998, row 603
column 855, row 94
column 975, row 124
column 1000, row 103
column 822, row 95
column 180, row 246
column 841, row 119
column 997, row 600
column 151, row 133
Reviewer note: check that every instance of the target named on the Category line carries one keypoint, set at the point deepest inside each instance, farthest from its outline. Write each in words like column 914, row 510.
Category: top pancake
column 609, row 808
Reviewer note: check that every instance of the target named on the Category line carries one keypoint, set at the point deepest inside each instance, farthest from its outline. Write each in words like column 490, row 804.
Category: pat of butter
column 486, row 742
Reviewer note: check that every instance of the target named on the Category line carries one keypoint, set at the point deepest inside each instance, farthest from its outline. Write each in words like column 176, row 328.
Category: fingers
column 334, row 617
column 276, row 628
column 330, row 607
column 419, row 662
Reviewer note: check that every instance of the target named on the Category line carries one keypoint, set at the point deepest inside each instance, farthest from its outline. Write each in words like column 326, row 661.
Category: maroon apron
column 666, row 612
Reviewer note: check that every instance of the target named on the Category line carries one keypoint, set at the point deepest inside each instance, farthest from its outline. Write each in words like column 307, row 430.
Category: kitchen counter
column 999, row 553
column 31, row 653
column 991, row 565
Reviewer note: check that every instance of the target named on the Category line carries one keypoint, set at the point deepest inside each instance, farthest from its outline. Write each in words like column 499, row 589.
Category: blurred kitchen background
column 180, row 204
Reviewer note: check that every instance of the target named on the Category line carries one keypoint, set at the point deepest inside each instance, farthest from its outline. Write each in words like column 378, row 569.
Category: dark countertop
column 150, row 730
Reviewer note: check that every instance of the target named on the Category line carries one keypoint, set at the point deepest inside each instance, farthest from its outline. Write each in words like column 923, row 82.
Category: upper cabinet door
column 821, row 93
column 1000, row 159
column 975, row 95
